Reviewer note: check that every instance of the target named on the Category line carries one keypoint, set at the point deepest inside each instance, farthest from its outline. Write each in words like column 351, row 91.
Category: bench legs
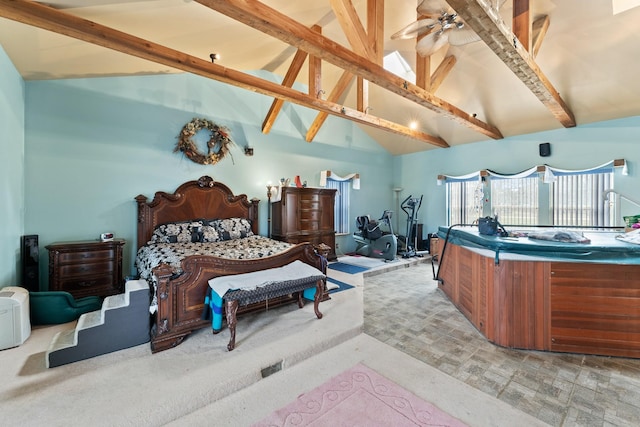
column 232, row 311
column 318, row 297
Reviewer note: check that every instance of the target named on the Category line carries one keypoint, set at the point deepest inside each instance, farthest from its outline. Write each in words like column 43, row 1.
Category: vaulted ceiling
column 548, row 65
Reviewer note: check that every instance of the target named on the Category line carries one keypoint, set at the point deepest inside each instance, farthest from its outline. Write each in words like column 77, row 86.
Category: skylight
column 620, row 6
column 395, row 63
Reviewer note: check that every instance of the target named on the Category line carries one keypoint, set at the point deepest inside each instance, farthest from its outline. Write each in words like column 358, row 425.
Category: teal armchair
column 54, row 307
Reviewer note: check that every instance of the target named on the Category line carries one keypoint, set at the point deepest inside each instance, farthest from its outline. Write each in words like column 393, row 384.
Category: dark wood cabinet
column 305, row 215
column 86, row 268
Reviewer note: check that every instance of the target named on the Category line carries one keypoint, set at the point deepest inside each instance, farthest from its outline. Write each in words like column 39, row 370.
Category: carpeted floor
column 280, row 354
column 360, row 396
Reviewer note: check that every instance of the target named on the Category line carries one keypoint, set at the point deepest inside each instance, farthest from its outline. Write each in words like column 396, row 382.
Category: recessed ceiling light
column 413, row 124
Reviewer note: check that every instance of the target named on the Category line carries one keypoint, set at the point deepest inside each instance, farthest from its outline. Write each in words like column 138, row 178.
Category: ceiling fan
column 440, row 26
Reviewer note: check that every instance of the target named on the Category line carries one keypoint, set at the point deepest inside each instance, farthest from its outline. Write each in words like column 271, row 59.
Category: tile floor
column 405, row 309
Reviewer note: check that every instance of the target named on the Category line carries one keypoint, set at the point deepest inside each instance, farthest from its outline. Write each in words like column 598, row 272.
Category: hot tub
column 542, row 295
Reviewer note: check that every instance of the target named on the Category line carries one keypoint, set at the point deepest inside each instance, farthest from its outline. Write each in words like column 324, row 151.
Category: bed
column 179, row 285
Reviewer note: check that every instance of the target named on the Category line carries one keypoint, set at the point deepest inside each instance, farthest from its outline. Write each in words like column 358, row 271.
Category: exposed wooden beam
column 47, row 18
column 375, row 38
column 352, row 28
column 481, row 18
column 423, row 72
column 274, row 23
column 289, row 79
column 423, row 64
column 334, row 96
column 442, row 72
column 362, row 95
column 375, row 28
column 539, row 30
column 522, row 23
column 315, row 70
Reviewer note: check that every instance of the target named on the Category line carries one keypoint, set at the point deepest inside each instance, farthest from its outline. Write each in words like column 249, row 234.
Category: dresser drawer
column 86, row 269
column 307, row 226
column 309, row 215
column 88, row 256
column 88, row 283
column 309, row 204
column 90, row 286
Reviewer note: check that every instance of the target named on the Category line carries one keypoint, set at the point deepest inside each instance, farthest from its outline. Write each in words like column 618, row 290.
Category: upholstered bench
column 244, row 289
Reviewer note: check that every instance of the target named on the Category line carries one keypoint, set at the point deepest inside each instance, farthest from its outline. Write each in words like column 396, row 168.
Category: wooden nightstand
column 86, row 268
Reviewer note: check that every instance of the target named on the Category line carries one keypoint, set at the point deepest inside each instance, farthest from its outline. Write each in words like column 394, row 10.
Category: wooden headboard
column 201, row 199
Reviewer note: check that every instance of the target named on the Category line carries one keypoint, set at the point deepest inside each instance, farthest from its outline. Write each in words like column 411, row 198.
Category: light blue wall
column 577, row 148
column 77, row 152
column 92, row 145
column 11, row 170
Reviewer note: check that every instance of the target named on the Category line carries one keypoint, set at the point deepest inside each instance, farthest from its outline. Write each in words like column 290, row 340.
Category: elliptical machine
column 372, row 241
column 411, row 206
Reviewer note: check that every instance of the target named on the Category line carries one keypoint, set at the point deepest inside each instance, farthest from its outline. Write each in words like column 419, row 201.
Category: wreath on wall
column 218, row 145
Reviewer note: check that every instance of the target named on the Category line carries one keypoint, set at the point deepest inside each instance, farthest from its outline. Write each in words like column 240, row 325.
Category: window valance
column 548, row 172
column 327, row 174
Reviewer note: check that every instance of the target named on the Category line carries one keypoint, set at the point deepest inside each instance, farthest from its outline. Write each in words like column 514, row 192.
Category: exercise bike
column 411, row 206
column 372, row 241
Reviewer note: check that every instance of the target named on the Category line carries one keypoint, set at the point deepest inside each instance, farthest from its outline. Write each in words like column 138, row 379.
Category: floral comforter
column 154, row 253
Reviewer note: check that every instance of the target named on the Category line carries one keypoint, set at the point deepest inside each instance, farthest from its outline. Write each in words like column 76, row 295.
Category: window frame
column 547, row 195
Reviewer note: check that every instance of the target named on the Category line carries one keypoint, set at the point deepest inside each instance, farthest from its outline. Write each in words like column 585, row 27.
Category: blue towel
column 215, row 303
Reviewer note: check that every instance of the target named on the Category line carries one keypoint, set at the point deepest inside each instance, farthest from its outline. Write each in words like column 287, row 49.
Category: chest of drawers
column 86, row 268
column 306, row 215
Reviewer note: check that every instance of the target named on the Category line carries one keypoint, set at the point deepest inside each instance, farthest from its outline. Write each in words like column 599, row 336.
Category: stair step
column 136, row 285
column 62, row 339
column 71, row 345
column 114, row 301
column 89, row 320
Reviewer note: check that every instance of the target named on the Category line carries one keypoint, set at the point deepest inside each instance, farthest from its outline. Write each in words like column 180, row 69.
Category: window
column 561, row 197
column 515, row 201
column 329, row 179
column 341, row 207
column 578, row 200
column 464, row 201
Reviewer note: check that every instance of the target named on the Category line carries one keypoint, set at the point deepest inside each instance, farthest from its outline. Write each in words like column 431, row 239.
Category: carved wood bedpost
column 164, row 299
column 143, row 218
column 253, row 214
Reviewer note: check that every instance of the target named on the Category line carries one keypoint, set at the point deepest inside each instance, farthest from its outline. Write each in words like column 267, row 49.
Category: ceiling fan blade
column 431, row 7
column 414, row 29
column 430, row 43
column 459, row 37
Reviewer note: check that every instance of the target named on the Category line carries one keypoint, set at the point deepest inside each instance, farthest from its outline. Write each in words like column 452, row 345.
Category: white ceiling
column 589, row 55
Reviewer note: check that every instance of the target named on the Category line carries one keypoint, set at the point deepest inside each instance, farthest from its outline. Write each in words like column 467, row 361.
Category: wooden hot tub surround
column 529, row 302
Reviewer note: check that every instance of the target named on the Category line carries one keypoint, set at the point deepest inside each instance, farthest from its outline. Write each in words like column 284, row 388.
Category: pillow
column 231, row 228
column 209, row 234
column 178, row 232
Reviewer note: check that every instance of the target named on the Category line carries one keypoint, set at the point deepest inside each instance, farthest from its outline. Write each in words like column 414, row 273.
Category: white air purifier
column 15, row 326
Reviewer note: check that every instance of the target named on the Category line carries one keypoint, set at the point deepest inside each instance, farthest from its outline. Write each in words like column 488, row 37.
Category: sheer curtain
column 328, row 179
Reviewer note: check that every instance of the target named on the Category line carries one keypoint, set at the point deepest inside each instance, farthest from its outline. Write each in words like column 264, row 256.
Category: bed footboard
column 181, row 299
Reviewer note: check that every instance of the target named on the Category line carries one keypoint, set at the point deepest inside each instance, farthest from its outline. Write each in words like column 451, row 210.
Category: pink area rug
column 359, row 397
